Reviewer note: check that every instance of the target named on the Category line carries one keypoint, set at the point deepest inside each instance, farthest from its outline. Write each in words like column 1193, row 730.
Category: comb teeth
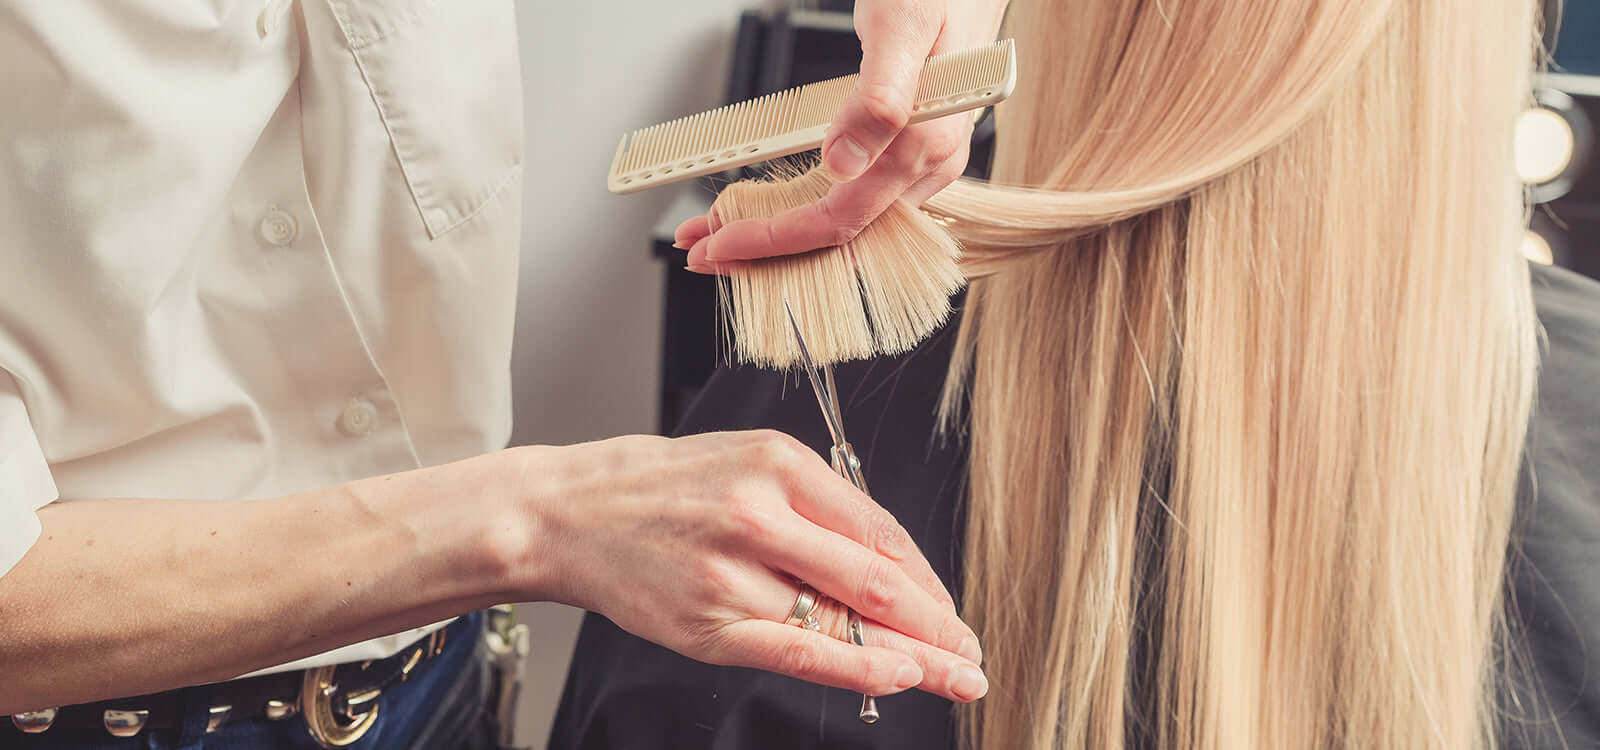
column 716, row 135
column 795, row 119
column 960, row 70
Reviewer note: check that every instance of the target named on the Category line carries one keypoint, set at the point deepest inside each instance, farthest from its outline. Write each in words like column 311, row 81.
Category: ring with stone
column 804, row 612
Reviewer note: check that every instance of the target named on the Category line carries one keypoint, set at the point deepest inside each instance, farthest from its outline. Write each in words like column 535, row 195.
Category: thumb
column 896, row 38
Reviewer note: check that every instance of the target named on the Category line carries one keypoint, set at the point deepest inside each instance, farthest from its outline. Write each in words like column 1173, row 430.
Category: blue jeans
column 444, row 705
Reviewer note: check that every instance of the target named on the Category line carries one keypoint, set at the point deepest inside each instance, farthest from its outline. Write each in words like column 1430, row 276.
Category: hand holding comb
column 880, row 292
column 795, row 120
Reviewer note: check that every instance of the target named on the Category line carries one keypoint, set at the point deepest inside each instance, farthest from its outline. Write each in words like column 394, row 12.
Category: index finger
column 866, row 582
column 814, row 657
column 896, row 39
column 834, row 220
column 857, row 517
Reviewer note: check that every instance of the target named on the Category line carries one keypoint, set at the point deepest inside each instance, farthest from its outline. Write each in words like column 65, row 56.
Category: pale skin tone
column 694, row 543
column 869, row 141
column 691, row 542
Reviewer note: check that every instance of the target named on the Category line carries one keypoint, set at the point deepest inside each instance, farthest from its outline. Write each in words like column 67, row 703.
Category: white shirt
column 252, row 247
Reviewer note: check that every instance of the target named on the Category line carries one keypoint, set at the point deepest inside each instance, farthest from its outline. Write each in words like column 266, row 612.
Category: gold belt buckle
column 316, row 701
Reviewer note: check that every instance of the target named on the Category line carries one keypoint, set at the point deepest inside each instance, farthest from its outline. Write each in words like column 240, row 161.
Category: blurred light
column 1552, row 143
column 1537, row 249
column 1545, row 145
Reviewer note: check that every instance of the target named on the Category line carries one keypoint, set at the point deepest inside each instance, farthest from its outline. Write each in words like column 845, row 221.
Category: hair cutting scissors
column 843, row 458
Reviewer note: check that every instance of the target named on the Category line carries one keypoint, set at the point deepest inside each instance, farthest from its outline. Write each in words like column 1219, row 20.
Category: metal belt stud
column 411, row 663
column 34, row 722
column 219, row 716
column 279, row 710
column 124, row 723
column 357, row 706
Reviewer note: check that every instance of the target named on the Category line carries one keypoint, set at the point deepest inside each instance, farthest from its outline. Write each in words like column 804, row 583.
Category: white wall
column 587, row 352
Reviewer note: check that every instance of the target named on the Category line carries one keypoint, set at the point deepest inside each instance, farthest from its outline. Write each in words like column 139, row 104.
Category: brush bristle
column 881, row 293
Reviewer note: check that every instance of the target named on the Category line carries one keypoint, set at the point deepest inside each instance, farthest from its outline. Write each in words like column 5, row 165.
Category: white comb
column 794, row 120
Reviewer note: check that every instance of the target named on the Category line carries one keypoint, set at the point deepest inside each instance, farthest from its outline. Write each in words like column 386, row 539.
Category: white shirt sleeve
column 25, row 481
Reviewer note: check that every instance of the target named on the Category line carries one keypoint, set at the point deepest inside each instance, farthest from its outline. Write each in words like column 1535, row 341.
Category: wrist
column 467, row 526
column 512, row 539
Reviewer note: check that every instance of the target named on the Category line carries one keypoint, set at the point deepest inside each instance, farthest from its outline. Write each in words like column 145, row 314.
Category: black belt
column 350, row 690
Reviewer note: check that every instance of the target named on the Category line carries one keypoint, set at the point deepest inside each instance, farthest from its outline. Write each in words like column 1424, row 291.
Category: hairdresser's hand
column 695, row 543
column 869, row 141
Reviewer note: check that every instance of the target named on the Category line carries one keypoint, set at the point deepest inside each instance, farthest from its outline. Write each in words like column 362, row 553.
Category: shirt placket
column 344, row 416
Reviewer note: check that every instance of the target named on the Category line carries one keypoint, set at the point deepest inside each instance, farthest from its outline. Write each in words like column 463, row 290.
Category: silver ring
column 856, row 635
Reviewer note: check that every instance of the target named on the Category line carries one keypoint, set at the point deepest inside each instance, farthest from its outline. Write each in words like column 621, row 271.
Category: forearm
column 694, row 543
column 123, row 597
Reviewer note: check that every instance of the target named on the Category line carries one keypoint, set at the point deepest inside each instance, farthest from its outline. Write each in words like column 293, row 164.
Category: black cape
column 625, row 693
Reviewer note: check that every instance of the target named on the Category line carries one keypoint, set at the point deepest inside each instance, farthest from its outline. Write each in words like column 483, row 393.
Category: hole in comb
column 988, row 93
column 627, row 180
column 688, row 165
column 752, row 149
column 729, row 154
column 668, row 170
column 646, row 176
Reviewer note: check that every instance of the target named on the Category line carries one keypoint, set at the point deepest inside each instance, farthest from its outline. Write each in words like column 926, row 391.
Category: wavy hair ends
column 1246, row 366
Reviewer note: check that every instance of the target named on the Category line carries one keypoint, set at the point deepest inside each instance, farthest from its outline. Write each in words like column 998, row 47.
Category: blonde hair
column 1246, row 364
column 849, row 303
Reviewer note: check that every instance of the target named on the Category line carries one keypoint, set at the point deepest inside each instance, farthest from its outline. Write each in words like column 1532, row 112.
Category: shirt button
column 279, row 228
column 358, row 418
column 270, row 18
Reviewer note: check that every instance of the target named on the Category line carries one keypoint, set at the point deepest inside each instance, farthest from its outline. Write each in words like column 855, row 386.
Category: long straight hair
column 1246, row 366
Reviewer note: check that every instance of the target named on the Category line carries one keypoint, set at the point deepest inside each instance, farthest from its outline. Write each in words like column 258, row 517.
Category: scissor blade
column 829, row 414
column 805, row 352
column 827, row 399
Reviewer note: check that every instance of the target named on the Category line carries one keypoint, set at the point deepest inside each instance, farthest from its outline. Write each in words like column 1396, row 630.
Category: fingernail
column 847, row 159
column 908, row 676
column 679, row 245
column 697, row 253
column 710, row 257
column 971, row 650
column 700, row 268
column 969, row 684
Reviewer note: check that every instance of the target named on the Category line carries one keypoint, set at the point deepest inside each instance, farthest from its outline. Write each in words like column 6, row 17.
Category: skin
column 694, row 543
column 869, row 143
